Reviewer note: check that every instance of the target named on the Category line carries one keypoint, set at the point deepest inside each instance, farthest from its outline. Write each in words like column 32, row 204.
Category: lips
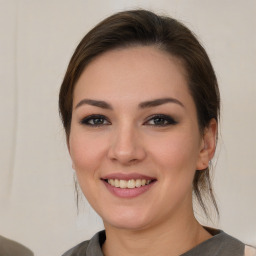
column 126, row 176
column 128, row 185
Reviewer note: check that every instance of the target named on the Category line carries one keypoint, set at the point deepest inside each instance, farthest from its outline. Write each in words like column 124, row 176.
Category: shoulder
column 220, row 244
column 231, row 246
column 78, row 250
column 90, row 247
column 234, row 244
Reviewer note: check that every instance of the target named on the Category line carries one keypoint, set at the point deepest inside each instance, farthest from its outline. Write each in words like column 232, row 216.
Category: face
column 135, row 142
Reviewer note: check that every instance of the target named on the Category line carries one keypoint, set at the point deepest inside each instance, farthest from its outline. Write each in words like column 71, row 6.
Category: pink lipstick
column 128, row 185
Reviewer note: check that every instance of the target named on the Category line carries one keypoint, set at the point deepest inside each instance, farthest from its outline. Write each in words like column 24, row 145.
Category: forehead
column 140, row 72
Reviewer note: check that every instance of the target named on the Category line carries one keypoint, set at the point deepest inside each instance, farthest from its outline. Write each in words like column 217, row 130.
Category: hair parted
column 145, row 28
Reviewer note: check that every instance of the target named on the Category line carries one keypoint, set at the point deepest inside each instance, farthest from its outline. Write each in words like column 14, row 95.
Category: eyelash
column 88, row 119
column 163, row 120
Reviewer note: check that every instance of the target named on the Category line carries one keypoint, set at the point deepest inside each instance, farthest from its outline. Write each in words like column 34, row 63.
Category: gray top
column 221, row 244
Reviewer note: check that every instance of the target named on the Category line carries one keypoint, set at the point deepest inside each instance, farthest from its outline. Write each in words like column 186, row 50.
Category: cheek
column 176, row 151
column 87, row 155
column 86, row 152
column 175, row 158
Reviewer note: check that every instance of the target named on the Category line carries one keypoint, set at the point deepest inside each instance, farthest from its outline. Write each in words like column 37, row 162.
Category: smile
column 128, row 185
column 132, row 183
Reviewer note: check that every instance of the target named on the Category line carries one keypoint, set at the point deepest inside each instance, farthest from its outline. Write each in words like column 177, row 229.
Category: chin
column 128, row 225
column 129, row 221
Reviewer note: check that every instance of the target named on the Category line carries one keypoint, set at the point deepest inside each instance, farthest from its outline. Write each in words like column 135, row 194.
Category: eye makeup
column 95, row 120
column 160, row 120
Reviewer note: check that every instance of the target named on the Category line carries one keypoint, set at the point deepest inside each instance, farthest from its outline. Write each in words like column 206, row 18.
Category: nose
column 126, row 146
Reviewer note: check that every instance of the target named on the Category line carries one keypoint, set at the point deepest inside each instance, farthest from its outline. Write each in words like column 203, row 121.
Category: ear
column 208, row 145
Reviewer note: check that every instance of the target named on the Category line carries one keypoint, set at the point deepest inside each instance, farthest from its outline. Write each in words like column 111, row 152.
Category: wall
column 36, row 179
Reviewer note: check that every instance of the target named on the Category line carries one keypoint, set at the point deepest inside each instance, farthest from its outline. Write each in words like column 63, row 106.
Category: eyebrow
column 157, row 102
column 145, row 104
column 96, row 103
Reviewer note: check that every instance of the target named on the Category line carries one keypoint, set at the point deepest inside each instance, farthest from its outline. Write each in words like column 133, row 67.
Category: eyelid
column 170, row 119
column 85, row 120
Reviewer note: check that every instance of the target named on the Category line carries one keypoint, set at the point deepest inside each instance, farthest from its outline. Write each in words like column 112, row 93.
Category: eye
column 95, row 120
column 160, row 120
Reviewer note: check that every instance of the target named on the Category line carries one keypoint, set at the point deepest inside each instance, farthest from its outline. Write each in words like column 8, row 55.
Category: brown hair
column 142, row 27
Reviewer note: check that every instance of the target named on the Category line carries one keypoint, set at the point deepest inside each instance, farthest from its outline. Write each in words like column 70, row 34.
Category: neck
column 173, row 238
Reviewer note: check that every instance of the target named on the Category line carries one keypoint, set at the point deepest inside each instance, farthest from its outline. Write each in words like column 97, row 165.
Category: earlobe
column 208, row 145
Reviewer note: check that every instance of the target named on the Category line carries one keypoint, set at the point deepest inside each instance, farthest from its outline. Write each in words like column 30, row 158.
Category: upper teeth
column 128, row 183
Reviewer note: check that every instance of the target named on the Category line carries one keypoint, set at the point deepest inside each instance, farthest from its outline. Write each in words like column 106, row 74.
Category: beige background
column 37, row 206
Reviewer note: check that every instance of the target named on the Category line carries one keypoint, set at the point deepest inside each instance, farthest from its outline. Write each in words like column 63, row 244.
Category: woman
column 140, row 107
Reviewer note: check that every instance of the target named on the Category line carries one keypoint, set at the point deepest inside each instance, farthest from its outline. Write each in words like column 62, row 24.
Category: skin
column 129, row 140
